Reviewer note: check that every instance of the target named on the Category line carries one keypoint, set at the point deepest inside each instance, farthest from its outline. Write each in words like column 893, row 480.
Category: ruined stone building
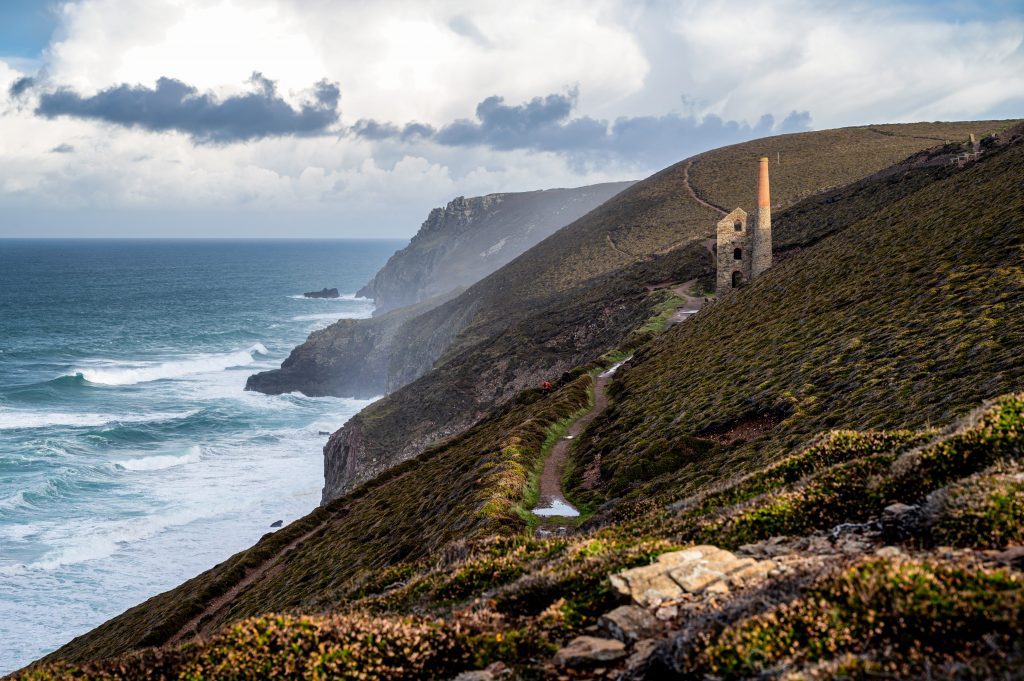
column 745, row 251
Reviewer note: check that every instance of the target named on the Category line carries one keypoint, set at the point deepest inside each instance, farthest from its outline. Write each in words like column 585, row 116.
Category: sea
column 131, row 457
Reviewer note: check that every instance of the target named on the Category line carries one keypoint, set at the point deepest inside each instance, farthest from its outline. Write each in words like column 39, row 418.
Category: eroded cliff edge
column 471, row 237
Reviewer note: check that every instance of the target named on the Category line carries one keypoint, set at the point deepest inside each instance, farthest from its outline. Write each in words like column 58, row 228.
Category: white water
column 145, row 372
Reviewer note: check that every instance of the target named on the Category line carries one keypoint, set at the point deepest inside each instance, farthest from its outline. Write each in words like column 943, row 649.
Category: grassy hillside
column 402, row 517
column 499, row 337
column 905, row 318
column 851, row 376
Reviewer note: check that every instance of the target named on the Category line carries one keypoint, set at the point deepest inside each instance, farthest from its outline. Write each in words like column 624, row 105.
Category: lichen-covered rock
column 692, row 571
column 629, row 623
column 589, row 651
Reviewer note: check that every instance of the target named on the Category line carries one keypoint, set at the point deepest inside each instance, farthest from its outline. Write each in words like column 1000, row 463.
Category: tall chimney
column 762, row 242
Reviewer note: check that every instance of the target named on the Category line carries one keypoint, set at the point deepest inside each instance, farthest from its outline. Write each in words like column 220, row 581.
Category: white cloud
column 432, row 62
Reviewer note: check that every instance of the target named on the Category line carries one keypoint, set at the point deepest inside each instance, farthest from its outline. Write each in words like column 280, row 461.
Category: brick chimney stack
column 762, row 246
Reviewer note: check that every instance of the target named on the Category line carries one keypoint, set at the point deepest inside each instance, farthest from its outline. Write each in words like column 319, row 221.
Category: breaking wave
column 176, row 369
column 161, row 461
column 17, row 419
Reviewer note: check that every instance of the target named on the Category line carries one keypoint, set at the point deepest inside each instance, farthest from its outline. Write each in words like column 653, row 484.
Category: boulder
column 629, row 624
column 692, row 571
column 900, row 522
column 646, row 654
column 588, row 651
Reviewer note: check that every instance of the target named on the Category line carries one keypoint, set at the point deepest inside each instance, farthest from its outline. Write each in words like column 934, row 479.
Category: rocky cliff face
column 456, row 246
column 470, row 238
column 356, row 357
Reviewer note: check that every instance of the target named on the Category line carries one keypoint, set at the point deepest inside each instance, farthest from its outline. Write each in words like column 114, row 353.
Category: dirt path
column 689, row 308
column 551, row 497
column 195, row 627
column 693, row 194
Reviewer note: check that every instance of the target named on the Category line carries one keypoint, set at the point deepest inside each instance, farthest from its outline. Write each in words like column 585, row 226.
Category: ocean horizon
column 131, row 458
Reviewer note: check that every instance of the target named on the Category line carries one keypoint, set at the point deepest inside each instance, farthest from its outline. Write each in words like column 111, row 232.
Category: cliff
column 469, row 238
column 848, row 431
column 456, row 246
column 353, row 357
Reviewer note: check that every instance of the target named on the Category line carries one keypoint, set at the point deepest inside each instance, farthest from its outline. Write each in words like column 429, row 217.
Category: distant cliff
column 470, row 238
column 456, row 246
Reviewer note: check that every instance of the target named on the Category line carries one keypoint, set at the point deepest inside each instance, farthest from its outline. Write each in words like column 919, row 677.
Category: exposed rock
column 645, row 653
column 1013, row 556
column 277, row 523
column 629, row 623
column 900, row 521
column 322, row 293
column 471, row 237
column 350, row 358
column 494, row 671
column 691, row 571
column 588, row 651
column 889, row 552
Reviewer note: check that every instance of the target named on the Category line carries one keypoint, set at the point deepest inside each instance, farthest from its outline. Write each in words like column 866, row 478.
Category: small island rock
column 322, row 293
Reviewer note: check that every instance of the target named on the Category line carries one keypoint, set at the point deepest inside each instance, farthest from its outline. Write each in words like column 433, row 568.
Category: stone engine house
column 744, row 250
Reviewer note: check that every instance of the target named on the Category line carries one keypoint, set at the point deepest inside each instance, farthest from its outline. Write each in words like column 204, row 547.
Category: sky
column 327, row 118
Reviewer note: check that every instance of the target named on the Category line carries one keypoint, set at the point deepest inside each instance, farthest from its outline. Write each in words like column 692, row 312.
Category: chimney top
column 763, row 196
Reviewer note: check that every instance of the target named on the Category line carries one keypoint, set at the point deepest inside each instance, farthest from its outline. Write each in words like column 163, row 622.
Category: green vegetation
column 897, row 619
column 903, row 319
column 861, row 483
column 984, row 509
column 839, row 383
column 581, row 291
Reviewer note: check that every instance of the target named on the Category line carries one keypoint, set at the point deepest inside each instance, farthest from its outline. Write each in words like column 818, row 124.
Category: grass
column 569, row 299
column 887, row 324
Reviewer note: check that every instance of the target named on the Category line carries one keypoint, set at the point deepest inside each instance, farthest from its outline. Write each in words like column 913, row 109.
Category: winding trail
column 689, row 308
column 195, row 627
column 552, row 499
column 693, row 194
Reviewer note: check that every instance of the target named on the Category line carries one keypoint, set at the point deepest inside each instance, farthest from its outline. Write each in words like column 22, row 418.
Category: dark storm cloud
column 375, row 130
column 547, row 124
column 21, row 86
column 174, row 105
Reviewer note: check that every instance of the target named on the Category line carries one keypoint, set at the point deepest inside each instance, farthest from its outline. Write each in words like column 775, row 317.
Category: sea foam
column 160, row 462
column 14, row 419
column 176, row 369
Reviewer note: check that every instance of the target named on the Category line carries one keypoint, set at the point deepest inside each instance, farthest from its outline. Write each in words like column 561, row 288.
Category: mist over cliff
column 471, row 237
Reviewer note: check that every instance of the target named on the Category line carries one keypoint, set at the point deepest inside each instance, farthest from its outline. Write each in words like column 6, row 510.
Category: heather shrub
column 909, row 615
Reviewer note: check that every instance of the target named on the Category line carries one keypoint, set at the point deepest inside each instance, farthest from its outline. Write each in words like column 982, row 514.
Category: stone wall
column 729, row 239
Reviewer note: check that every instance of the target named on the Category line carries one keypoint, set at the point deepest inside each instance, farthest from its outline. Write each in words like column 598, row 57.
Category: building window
column 737, row 279
column 738, row 225
column 737, row 254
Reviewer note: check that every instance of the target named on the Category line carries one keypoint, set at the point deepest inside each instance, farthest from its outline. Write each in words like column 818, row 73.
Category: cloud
column 63, row 148
column 464, row 26
column 546, row 124
column 175, row 106
column 21, row 86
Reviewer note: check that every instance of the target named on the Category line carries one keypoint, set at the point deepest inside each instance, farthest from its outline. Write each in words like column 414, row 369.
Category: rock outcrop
column 354, row 358
column 471, row 237
column 322, row 293
column 456, row 246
